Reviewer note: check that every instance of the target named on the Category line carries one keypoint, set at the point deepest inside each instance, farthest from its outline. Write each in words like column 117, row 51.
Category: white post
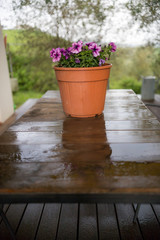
column 6, row 101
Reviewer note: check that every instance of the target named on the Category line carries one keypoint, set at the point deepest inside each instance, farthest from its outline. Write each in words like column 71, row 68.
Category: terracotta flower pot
column 83, row 90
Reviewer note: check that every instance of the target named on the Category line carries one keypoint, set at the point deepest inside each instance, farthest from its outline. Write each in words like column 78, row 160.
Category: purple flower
column 76, row 47
column 67, row 56
column 52, row 52
column 113, row 45
column 69, row 50
column 77, row 60
column 56, row 55
column 80, row 52
column 95, row 49
column 101, row 61
column 80, row 42
column 66, row 52
column 63, row 51
column 90, row 44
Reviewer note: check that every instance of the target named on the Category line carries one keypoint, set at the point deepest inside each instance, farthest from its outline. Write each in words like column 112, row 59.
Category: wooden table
column 48, row 157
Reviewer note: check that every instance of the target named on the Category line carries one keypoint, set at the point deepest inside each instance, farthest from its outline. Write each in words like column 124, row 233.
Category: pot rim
column 106, row 65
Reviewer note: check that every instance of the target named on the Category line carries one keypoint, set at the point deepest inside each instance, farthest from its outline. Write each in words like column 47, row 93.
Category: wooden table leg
column 136, row 212
column 4, row 218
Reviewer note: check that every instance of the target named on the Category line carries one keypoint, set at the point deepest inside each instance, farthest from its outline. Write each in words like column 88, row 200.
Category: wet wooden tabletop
column 46, row 156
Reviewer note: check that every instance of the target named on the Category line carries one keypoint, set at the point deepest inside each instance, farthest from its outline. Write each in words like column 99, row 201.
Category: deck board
column 14, row 214
column 68, row 222
column 128, row 229
column 106, row 221
column 156, row 209
column 47, row 228
column 30, row 222
column 88, row 222
column 148, row 223
column 5, row 208
column 108, row 226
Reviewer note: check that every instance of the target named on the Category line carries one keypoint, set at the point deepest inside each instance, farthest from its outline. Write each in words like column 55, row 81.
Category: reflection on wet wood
column 79, row 177
column 117, row 152
column 17, row 114
column 57, row 126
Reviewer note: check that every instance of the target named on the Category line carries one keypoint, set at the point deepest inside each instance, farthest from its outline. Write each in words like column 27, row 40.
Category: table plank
column 17, row 138
column 17, row 114
column 55, row 112
column 85, row 154
column 77, row 177
column 57, row 126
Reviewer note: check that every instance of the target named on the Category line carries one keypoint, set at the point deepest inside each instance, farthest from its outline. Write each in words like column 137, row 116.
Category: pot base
column 83, row 116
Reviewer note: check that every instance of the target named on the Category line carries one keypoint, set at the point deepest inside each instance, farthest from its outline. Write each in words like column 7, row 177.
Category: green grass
column 21, row 96
column 13, row 39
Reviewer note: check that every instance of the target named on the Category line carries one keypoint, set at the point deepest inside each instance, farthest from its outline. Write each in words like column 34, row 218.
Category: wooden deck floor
column 83, row 221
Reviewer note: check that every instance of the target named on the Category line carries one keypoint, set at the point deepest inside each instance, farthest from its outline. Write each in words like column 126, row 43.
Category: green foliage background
column 33, row 67
column 31, row 62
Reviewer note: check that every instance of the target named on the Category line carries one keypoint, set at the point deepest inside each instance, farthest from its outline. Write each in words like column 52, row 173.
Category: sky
column 119, row 32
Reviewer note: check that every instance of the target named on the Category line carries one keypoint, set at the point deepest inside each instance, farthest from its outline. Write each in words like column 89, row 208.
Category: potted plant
column 82, row 74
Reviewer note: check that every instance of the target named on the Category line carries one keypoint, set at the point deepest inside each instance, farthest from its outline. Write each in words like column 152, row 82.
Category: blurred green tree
column 147, row 13
column 69, row 19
